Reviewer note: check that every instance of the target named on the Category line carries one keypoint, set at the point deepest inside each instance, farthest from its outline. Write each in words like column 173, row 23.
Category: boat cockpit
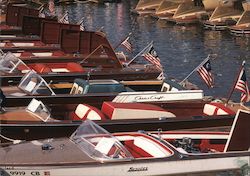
column 100, row 145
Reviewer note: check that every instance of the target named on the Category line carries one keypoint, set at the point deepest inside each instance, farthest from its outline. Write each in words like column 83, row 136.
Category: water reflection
column 181, row 48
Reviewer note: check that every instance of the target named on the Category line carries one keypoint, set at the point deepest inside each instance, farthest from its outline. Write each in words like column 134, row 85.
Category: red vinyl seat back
column 84, row 111
column 136, row 151
column 40, row 68
column 74, row 67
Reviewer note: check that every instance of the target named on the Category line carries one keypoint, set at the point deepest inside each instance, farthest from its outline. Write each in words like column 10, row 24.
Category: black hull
column 39, row 130
column 116, row 74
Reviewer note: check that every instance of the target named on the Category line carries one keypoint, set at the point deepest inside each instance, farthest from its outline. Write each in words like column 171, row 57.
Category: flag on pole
column 41, row 13
column 205, row 73
column 65, row 18
column 151, row 56
column 81, row 23
column 127, row 44
column 241, row 85
column 52, row 8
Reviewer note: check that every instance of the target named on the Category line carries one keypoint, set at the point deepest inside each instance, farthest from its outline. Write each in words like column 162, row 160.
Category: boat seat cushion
column 84, row 111
column 40, row 68
column 136, row 151
column 74, row 67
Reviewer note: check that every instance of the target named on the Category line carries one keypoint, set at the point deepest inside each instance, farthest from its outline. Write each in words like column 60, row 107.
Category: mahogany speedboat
column 222, row 17
column 91, row 150
column 104, row 65
column 18, row 122
column 167, row 9
column 188, row 13
column 242, row 27
column 14, row 15
column 147, row 7
column 33, row 85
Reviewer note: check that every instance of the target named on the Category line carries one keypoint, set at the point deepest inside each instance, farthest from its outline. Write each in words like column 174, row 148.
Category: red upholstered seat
column 74, row 67
column 205, row 145
column 40, row 68
column 84, row 112
column 58, row 53
column 136, row 151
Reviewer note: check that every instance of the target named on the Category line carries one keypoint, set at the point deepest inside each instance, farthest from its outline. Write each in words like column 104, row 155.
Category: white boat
column 92, row 151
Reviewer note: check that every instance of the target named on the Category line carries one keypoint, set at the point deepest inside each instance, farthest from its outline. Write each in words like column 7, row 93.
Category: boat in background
column 222, row 17
column 147, row 7
column 187, row 13
column 91, row 146
column 166, row 9
column 242, row 26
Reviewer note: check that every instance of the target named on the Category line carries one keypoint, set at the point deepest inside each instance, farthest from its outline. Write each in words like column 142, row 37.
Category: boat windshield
column 34, row 84
column 37, row 108
column 99, row 144
column 9, row 63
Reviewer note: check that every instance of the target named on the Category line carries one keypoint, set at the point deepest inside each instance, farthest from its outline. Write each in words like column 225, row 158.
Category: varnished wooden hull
column 38, row 130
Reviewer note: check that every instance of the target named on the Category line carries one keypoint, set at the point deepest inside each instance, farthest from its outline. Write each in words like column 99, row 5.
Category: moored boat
column 147, row 7
column 222, row 17
column 242, row 26
column 188, row 12
column 160, row 153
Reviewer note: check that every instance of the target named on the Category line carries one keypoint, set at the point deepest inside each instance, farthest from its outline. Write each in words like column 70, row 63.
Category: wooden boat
column 18, row 122
column 210, row 5
column 160, row 153
column 187, row 13
column 242, row 27
column 166, row 9
column 103, row 64
column 146, row 7
column 12, row 23
column 33, row 85
column 222, row 17
column 50, row 36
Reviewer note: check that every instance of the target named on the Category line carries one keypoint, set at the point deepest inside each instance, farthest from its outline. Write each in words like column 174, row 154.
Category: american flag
column 41, row 13
column 65, row 18
column 81, row 23
column 152, row 57
column 242, row 86
column 127, row 44
column 205, row 73
column 52, row 8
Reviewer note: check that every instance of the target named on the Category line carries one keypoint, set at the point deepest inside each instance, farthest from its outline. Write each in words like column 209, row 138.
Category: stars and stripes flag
column 151, row 56
column 41, row 13
column 205, row 73
column 65, row 18
column 81, row 23
column 52, row 8
column 127, row 44
column 242, row 86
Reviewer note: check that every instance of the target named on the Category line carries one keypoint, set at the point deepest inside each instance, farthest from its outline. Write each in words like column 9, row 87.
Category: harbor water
column 180, row 48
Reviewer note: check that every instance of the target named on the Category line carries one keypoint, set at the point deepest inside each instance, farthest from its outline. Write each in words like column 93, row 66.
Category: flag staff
column 122, row 41
column 143, row 50
column 90, row 54
column 202, row 63
column 235, row 82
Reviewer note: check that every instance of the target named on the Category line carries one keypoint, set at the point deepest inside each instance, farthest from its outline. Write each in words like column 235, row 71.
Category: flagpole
column 202, row 63
column 235, row 82
column 143, row 50
column 122, row 41
column 90, row 54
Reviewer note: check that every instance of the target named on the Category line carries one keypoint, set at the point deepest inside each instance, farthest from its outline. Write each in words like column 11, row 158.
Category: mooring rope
column 9, row 139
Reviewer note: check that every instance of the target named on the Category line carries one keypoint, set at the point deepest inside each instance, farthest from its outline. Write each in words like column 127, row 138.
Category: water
column 180, row 48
